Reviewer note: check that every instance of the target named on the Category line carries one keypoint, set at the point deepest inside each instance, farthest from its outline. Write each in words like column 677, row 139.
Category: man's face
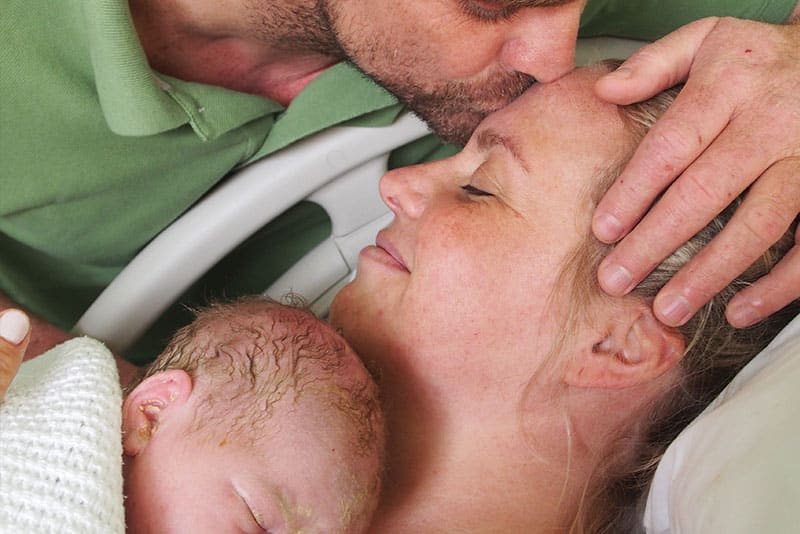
column 455, row 61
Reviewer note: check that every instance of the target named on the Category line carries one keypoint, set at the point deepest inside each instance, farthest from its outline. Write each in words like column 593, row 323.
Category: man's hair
column 715, row 351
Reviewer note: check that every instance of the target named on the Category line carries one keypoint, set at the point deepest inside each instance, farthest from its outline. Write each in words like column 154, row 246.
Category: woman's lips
column 388, row 249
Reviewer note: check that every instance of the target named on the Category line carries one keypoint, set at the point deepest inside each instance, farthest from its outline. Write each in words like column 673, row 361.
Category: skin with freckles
column 508, row 371
column 459, row 305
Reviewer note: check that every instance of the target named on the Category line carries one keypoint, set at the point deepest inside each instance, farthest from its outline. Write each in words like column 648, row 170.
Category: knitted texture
column 60, row 447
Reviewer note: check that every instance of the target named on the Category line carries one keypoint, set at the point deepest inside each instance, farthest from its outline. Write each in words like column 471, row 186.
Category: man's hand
column 736, row 124
column 15, row 328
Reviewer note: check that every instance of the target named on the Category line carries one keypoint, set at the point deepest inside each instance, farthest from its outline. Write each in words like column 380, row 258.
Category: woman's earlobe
column 633, row 348
column 153, row 401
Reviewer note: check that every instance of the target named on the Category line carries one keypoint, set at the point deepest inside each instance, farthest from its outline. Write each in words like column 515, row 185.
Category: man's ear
column 152, row 402
column 631, row 347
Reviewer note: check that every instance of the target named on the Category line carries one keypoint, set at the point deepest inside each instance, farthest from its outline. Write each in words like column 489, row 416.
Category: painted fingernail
column 745, row 315
column 616, row 279
column 14, row 326
column 675, row 309
column 608, row 228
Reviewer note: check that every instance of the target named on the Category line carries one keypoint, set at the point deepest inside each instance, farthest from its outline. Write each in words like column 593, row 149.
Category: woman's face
column 457, row 288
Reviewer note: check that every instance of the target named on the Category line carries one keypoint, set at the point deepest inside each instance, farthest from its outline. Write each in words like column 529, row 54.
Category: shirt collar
column 137, row 102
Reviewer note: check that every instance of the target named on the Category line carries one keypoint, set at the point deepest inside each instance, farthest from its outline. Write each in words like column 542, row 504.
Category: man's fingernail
column 622, row 73
column 674, row 308
column 616, row 279
column 14, row 326
column 745, row 315
column 608, row 228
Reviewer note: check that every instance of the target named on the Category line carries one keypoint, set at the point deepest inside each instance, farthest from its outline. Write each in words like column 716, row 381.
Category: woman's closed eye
column 474, row 191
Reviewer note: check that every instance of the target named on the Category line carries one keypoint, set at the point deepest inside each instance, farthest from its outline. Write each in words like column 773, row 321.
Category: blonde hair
column 715, row 351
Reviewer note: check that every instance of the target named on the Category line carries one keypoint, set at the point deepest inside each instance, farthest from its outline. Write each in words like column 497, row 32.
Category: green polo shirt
column 651, row 19
column 99, row 153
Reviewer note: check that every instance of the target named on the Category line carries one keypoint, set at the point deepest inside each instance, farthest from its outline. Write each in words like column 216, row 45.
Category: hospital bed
column 732, row 470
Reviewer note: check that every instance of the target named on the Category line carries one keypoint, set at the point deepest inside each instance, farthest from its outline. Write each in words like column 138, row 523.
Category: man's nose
column 401, row 190
column 541, row 42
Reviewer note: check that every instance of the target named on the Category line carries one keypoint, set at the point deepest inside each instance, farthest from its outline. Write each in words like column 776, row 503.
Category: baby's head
column 256, row 418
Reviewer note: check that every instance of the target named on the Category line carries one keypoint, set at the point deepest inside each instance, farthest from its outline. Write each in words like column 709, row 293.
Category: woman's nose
column 401, row 190
column 542, row 41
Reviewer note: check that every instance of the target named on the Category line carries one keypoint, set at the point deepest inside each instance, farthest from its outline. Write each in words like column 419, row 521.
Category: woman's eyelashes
column 474, row 191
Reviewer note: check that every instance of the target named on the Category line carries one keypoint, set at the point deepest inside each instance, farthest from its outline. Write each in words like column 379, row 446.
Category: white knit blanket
column 60, row 447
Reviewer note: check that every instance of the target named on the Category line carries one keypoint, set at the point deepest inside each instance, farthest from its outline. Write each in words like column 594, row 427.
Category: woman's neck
column 447, row 475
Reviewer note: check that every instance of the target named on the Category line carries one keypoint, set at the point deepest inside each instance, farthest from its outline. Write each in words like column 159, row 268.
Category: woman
column 519, row 398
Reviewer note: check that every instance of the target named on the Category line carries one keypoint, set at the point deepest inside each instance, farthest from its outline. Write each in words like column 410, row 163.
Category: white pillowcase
column 736, row 468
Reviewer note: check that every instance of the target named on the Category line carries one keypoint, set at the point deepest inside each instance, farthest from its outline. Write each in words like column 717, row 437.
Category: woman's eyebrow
column 488, row 138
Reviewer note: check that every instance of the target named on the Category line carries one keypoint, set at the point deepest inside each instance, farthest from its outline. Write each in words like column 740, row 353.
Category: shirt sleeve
column 651, row 19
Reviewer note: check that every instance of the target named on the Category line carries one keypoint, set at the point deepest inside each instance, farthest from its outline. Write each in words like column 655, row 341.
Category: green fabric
column 651, row 19
column 99, row 153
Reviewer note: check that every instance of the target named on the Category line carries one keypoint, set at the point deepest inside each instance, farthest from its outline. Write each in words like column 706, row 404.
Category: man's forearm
column 43, row 334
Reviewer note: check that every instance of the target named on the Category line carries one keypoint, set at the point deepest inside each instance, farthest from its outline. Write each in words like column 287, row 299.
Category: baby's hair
column 715, row 350
column 248, row 354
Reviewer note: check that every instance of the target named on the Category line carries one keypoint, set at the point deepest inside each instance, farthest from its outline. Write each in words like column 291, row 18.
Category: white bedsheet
column 736, row 468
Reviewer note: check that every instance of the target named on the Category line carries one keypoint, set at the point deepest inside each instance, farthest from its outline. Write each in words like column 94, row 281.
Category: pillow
column 736, row 468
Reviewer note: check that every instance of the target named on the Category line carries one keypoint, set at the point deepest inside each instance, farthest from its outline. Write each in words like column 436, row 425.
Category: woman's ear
column 153, row 401
column 633, row 348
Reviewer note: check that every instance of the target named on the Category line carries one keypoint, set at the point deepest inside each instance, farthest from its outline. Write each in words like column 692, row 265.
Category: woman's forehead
column 571, row 98
column 561, row 122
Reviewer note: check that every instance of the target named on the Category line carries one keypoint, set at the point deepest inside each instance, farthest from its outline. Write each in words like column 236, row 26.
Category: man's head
column 451, row 61
column 256, row 417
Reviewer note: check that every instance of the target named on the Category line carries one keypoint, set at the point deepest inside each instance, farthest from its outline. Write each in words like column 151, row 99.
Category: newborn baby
column 256, row 418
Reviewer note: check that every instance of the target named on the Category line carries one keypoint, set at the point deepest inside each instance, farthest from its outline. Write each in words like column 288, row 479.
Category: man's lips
column 383, row 242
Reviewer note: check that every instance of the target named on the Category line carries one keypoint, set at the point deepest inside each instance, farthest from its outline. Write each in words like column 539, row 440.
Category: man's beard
column 451, row 109
column 296, row 28
column 454, row 109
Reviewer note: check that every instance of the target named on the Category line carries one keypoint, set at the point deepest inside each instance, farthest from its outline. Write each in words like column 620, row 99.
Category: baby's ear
column 150, row 404
column 631, row 348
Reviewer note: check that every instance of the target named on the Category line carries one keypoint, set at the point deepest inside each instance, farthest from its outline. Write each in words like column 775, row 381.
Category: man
column 118, row 115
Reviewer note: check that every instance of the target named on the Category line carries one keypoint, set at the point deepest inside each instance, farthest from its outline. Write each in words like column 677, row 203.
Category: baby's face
column 306, row 472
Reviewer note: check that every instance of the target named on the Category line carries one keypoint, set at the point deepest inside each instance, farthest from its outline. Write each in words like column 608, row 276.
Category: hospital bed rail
column 338, row 168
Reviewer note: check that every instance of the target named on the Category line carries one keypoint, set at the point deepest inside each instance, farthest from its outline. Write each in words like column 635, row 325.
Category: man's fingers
column 14, row 336
column 656, row 66
column 769, row 294
column 671, row 145
column 709, row 185
column 761, row 220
